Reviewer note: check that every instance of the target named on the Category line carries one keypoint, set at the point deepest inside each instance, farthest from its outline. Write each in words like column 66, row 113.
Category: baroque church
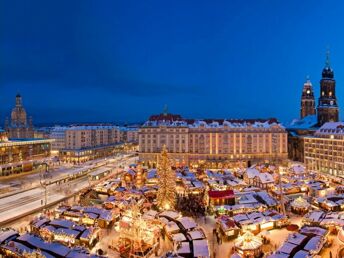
column 313, row 116
column 19, row 127
column 327, row 109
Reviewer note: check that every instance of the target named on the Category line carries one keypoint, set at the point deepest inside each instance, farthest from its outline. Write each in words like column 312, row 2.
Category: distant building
column 216, row 142
column 129, row 134
column 58, row 133
column 19, row 127
column 42, row 132
column 324, row 151
column 22, row 155
column 307, row 100
column 80, row 143
column 327, row 106
column 297, row 130
column 311, row 119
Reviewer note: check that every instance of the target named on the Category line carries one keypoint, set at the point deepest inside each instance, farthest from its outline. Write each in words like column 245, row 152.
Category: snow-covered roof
column 6, row 234
column 266, row 198
column 314, row 216
column 302, row 254
column 187, row 222
column 278, row 255
column 200, row 248
column 40, row 244
column 300, row 203
column 171, row 226
column 296, row 238
column 184, row 248
column 266, row 178
column 315, row 243
column 313, row 230
column 170, row 214
column 57, row 129
column 304, row 123
column 179, row 237
column 248, row 241
column 62, row 223
column 331, row 128
column 297, row 168
column 172, row 120
column 252, row 172
column 196, row 234
column 287, row 248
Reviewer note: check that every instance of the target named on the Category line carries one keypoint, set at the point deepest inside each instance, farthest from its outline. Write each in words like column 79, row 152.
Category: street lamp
column 281, row 190
column 43, row 182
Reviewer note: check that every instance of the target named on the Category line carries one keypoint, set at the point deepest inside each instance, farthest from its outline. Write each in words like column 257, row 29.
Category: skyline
column 122, row 62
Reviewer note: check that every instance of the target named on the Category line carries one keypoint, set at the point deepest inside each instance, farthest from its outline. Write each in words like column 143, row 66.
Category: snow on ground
column 24, row 202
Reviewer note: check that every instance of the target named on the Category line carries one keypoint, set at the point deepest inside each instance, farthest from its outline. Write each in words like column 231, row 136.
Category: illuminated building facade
column 80, row 143
column 324, row 151
column 213, row 141
column 22, row 155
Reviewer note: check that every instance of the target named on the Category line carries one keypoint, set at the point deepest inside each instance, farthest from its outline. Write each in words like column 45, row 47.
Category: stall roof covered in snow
column 301, row 254
column 225, row 194
column 7, row 234
column 200, row 248
column 187, row 223
column 287, row 248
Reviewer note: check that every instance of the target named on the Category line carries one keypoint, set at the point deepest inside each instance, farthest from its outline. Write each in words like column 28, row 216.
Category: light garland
column 166, row 196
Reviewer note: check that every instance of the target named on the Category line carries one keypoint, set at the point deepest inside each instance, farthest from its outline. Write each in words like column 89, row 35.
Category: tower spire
column 165, row 112
column 18, row 100
column 327, row 62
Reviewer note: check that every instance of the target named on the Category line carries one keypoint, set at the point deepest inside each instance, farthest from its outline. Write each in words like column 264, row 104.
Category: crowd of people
column 191, row 205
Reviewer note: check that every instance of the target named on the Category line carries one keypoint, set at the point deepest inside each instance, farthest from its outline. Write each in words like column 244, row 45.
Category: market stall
column 249, row 245
column 300, row 206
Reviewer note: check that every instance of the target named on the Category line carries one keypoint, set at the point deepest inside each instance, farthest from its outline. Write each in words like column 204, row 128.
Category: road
column 28, row 201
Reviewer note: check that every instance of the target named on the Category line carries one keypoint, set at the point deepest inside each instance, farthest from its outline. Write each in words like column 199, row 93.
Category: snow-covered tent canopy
column 300, row 203
column 248, row 241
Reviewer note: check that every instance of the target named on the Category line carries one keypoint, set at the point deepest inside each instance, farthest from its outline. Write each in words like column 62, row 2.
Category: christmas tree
column 166, row 196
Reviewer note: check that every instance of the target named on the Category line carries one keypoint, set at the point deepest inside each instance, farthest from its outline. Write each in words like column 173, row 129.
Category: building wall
column 82, row 137
column 58, row 134
column 324, row 152
column 193, row 145
column 132, row 136
column 325, row 155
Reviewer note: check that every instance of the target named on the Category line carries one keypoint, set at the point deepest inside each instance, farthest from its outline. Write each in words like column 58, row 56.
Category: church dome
column 18, row 114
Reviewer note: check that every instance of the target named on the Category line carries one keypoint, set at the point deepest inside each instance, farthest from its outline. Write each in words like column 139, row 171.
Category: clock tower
column 327, row 105
column 307, row 100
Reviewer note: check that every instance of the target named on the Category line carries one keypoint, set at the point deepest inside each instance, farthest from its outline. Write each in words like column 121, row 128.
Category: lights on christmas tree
column 166, row 197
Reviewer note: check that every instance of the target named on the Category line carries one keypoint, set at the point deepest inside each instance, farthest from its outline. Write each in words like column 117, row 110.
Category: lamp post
column 281, row 191
column 43, row 182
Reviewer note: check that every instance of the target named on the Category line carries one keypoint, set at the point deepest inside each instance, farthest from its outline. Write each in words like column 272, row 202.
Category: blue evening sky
column 123, row 60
